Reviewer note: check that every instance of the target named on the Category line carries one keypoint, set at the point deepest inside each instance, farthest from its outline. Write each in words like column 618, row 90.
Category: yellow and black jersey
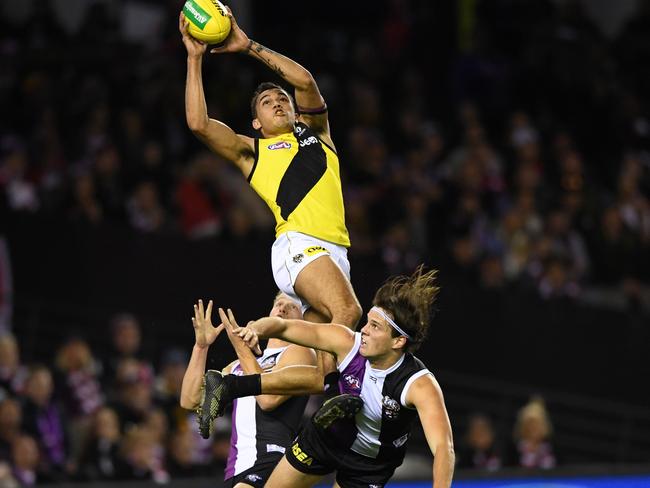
column 297, row 175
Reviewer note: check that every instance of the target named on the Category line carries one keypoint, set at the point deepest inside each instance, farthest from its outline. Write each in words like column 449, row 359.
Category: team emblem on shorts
column 391, row 407
column 269, row 362
column 400, row 441
column 298, row 258
column 253, row 477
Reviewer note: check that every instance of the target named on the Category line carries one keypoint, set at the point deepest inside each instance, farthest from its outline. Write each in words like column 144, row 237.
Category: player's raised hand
column 237, row 41
column 242, row 333
column 194, row 46
column 205, row 333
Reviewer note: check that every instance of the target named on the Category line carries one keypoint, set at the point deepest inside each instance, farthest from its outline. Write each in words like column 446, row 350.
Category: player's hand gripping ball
column 208, row 20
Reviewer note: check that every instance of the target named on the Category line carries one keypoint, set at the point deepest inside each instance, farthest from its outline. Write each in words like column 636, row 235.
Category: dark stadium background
column 397, row 75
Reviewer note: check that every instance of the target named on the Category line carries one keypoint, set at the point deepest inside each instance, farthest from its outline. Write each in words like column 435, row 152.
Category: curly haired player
column 377, row 365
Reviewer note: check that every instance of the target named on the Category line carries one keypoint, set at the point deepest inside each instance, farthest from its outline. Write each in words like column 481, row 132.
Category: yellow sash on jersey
column 297, row 175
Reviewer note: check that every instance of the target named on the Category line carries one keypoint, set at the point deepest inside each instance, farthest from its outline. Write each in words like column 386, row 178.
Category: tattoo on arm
column 259, row 50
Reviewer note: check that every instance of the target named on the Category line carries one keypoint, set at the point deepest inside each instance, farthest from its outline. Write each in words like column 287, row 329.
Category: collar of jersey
column 384, row 372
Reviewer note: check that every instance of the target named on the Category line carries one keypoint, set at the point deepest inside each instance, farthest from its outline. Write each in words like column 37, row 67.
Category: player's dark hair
column 409, row 299
column 262, row 87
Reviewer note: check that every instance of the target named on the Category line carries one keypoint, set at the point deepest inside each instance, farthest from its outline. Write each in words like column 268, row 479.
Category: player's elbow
column 305, row 81
column 268, row 403
column 446, row 447
column 197, row 125
column 187, row 403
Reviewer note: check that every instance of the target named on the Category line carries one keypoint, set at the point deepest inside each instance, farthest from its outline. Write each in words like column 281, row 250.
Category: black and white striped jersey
column 384, row 423
column 259, row 436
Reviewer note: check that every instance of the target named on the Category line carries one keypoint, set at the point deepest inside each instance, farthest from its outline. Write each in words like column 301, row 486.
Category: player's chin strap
column 391, row 322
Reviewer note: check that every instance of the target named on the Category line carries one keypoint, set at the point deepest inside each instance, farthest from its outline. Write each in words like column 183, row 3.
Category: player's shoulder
column 295, row 354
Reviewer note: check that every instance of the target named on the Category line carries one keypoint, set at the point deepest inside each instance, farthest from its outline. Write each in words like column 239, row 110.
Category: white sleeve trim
column 346, row 360
column 405, row 390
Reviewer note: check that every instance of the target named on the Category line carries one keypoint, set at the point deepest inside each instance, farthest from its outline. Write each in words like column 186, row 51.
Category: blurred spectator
column 198, row 216
column 492, row 275
column 107, row 167
column 43, row 420
column 7, row 479
column 11, row 417
column 12, row 373
column 134, row 393
column 219, row 450
column 125, row 343
column 138, row 457
column 77, row 383
column 167, row 386
column 479, row 447
column 532, row 446
column 25, row 457
column 145, row 211
column 86, row 207
column 157, row 424
column 21, row 192
column 100, row 455
column 180, row 455
column 616, row 249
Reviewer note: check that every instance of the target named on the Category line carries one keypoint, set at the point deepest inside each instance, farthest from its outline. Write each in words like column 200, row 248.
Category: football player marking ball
column 208, row 20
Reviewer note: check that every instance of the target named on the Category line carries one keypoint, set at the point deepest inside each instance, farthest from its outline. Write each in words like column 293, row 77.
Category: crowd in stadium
column 115, row 416
column 515, row 157
column 533, row 170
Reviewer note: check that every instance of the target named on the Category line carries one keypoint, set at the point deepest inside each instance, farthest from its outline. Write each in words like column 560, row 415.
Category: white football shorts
column 292, row 251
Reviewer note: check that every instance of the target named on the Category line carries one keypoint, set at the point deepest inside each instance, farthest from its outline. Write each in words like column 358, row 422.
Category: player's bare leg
column 312, row 315
column 292, row 380
column 324, row 286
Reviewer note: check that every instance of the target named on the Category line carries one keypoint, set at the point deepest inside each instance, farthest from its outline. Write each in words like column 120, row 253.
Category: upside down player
column 263, row 426
column 294, row 168
column 377, row 365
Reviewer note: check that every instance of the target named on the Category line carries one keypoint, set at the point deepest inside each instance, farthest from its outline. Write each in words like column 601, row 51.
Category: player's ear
column 399, row 342
column 256, row 124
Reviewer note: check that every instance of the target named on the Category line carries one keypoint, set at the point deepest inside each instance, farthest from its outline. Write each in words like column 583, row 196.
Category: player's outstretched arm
column 215, row 134
column 204, row 334
column 311, row 105
column 425, row 394
column 332, row 338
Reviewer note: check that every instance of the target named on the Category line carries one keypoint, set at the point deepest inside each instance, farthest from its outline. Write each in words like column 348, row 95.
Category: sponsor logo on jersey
column 391, row 407
column 352, row 381
column 400, row 442
column 375, row 486
column 310, row 251
column 309, row 141
column 301, row 455
column 299, row 131
column 279, row 145
column 298, row 258
column 275, row 448
column 253, row 477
